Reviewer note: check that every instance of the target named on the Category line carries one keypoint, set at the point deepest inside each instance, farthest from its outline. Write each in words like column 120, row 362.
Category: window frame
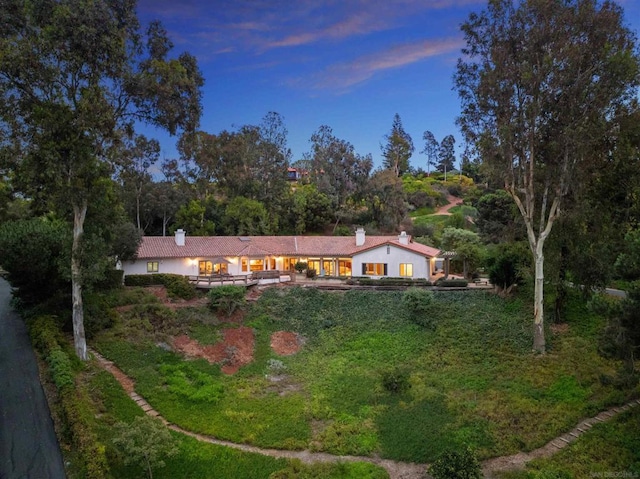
column 408, row 270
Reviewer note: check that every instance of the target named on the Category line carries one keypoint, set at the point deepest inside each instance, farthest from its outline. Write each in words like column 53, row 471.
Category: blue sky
column 348, row 64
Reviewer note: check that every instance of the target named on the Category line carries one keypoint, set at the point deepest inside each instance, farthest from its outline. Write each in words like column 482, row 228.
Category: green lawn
column 610, row 449
column 472, row 380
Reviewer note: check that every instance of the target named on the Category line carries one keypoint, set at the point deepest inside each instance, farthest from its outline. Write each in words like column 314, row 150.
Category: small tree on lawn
column 145, row 442
column 456, row 465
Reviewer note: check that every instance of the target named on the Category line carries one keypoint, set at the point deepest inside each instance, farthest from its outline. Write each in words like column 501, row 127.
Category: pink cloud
column 345, row 75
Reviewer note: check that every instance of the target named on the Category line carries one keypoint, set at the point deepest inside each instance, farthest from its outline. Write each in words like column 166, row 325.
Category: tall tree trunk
column 538, row 315
column 138, row 210
column 79, row 340
column 537, row 250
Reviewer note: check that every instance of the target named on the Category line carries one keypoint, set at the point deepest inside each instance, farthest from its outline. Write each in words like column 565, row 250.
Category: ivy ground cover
column 371, row 380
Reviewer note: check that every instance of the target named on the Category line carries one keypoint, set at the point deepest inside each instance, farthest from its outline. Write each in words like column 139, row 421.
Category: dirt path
column 453, row 201
column 396, row 470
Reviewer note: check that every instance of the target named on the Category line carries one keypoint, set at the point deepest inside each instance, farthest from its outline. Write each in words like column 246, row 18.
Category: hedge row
column 452, row 283
column 364, row 281
column 75, row 405
column 178, row 286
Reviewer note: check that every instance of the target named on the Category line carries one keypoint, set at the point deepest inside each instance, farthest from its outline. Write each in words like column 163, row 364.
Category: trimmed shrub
column 452, row 283
column 178, row 286
column 226, row 298
column 456, row 465
column 417, row 301
column 417, row 304
column 61, row 370
column 45, row 334
column 300, row 266
column 74, row 404
column 142, row 280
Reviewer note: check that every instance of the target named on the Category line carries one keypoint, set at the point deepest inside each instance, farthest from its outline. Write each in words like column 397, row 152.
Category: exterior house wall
column 393, row 259
column 183, row 266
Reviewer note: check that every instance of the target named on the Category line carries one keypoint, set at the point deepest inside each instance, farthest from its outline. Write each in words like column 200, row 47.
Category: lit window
column 245, row 265
column 374, row 269
column 344, row 267
column 205, row 268
column 256, row 265
column 406, row 269
column 220, row 268
column 152, row 266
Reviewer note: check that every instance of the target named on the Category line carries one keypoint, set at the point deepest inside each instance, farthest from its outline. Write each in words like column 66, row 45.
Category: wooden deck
column 211, row 281
column 208, row 282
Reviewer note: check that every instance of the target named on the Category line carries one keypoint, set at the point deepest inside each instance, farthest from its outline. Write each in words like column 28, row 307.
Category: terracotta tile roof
column 260, row 246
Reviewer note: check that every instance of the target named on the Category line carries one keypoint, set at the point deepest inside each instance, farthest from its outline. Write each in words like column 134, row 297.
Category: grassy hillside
column 371, row 380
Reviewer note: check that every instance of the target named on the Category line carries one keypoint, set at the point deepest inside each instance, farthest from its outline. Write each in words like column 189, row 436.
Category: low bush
column 74, row 404
column 417, row 304
column 45, row 333
column 226, row 298
column 61, row 369
column 178, row 286
column 152, row 316
column 99, row 314
column 456, row 465
column 311, row 273
column 452, row 283
column 395, row 380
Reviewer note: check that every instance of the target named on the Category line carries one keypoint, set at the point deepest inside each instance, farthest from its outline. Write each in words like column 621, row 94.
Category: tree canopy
column 75, row 78
column 541, row 85
column 398, row 149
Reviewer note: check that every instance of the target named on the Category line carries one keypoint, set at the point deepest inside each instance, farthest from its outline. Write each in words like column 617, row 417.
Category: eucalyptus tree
column 336, row 168
column 541, row 84
column 430, row 150
column 446, row 155
column 398, row 148
column 75, row 77
column 137, row 156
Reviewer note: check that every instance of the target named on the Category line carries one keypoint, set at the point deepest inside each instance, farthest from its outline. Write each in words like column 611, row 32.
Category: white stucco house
column 346, row 256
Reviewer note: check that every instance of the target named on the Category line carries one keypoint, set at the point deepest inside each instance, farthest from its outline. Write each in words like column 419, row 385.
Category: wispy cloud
column 250, row 26
column 342, row 76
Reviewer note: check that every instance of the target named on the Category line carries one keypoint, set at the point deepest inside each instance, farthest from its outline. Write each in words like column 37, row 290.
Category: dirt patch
column 234, row 351
column 285, row 343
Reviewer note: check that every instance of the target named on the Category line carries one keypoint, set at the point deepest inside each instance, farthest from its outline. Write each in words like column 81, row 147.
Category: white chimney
column 403, row 238
column 360, row 236
column 180, row 237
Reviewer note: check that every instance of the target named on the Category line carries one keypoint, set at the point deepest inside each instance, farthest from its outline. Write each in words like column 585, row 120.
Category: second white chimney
column 360, row 236
column 403, row 238
column 180, row 234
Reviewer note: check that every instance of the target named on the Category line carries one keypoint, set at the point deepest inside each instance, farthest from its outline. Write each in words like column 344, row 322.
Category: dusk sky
column 348, row 64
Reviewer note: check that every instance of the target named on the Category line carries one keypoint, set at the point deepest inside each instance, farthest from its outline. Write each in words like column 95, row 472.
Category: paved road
column 29, row 448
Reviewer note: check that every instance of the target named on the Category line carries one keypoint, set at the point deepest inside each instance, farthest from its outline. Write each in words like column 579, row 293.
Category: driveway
column 28, row 445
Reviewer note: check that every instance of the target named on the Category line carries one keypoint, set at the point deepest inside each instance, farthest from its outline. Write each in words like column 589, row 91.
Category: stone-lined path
column 396, row 470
